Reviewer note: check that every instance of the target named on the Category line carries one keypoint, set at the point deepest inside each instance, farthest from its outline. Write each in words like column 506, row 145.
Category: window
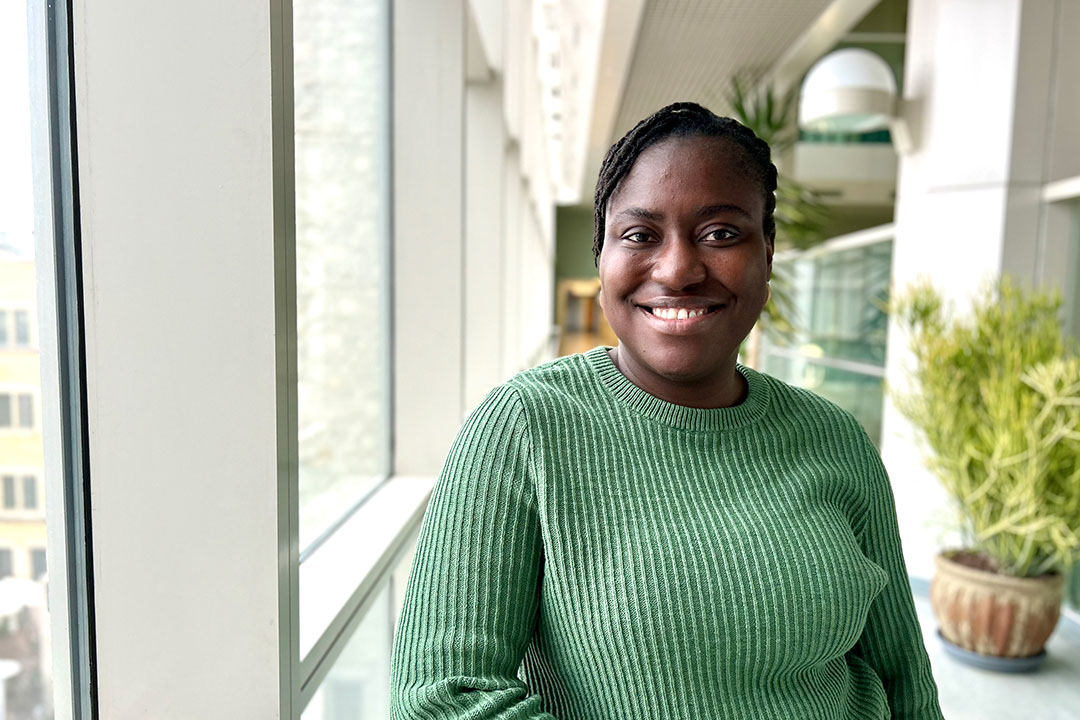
column 5, row 410
column 3, row 328
column 357, row 684
column 9, row 492
column 5, row 563
column 22, row 328
column 26, row 410
column 30, row 499
column 838, row 291
column 38, row 567
column 341, row 109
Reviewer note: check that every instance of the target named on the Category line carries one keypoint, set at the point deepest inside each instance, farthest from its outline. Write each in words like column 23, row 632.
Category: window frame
column 62, row 401
column 396, row 503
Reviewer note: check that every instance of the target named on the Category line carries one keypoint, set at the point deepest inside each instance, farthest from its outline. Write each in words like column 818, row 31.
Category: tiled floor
column 1050, row 693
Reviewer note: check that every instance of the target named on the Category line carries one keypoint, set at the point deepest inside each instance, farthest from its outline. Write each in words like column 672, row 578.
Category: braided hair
column 683, row 119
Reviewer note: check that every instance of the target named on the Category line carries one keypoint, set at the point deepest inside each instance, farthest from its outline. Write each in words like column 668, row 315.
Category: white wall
column 474, row 230
column 428, row 171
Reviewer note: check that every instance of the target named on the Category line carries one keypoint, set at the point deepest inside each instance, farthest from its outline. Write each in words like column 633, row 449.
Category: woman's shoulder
column 537, row 385
column 556, row 377
column 804, row 406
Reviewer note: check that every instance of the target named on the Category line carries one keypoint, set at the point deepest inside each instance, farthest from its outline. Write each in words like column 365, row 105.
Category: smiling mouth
column 677, row 313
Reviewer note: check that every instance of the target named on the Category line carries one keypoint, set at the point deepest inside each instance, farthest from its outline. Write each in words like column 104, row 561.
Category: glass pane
column 341, row 110
column 840, row 298
column 357, row 687
column 861, row 395
column 25, row 667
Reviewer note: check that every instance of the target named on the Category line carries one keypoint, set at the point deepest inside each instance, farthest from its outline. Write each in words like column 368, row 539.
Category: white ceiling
column 690, row 49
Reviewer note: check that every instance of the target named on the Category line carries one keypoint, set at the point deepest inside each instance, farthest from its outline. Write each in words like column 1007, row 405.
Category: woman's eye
column 721, row 235
column 638, row 237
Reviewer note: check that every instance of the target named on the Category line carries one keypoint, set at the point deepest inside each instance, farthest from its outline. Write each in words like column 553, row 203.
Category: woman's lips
column 679, row 318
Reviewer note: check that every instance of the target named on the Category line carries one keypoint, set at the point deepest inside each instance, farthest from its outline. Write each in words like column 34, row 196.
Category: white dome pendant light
column 852, row 91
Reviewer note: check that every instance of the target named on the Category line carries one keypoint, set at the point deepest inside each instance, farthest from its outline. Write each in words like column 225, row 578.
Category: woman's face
column 685, row 263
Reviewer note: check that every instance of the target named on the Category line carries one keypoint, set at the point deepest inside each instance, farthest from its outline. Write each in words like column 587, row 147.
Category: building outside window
column 26, row 410
column 5, row 410
column 9, row 492
column 22, row 328
column 38, row 562
column 3, row 328
column 5, row 563
column 38, row 567
column 30, row 499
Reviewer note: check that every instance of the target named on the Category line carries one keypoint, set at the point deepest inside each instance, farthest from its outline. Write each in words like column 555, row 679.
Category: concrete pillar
column 979, row 86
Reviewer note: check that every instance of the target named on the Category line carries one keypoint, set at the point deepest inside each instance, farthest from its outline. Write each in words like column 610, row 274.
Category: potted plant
column 996, row 397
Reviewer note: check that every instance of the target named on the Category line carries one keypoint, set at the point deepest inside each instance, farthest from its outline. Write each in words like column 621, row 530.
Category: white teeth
column 678, row 313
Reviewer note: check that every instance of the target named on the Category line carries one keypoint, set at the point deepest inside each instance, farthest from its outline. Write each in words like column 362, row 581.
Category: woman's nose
column 679, row 265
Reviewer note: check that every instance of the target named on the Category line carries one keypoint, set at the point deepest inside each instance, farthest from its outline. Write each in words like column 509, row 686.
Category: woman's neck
column 724, row 388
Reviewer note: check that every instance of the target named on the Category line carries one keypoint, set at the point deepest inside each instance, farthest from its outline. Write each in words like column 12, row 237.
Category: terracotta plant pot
column 994, row 614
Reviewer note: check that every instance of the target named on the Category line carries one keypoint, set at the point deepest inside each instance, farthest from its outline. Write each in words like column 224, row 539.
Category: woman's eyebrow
column 640, row 213
column 720, row 209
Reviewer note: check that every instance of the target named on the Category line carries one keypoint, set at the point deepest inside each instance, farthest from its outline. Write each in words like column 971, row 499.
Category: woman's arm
column 891, row 642
column 473, row 592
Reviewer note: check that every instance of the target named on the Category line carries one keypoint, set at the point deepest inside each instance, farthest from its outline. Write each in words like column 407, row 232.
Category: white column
column 429, row 79
column 979, row 86
column 485, row 309
column 176, row 111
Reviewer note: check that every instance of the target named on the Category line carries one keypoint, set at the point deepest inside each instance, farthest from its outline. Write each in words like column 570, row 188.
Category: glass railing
column 838, row 292
column 877, row 136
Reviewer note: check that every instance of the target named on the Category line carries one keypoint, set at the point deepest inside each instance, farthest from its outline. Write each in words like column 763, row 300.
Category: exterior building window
column 30, row 499
column 3, row 328
column 37, row 563
column 5, row 563
column 22, row 328
column 9, row 492
column 5, row 410
column 26, row 410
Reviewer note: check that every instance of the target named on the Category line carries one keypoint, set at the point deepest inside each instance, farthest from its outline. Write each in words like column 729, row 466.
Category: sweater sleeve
column 474, row 588
column 891, row 642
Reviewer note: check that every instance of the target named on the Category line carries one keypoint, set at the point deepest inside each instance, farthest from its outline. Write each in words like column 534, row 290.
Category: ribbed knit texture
column 591, row 552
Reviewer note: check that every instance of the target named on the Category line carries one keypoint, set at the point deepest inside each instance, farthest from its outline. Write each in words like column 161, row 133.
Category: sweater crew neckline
column 750, row 410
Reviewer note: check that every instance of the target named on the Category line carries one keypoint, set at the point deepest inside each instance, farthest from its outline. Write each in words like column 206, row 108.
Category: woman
column 653, row 531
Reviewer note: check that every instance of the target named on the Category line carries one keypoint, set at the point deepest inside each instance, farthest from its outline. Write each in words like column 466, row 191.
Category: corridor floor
column 1050, row 693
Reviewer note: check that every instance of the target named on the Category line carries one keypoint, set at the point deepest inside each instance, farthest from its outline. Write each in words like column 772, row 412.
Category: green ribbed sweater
column 591, row 552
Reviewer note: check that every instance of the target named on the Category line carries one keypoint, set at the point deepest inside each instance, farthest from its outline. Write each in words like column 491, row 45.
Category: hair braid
column 683, row 119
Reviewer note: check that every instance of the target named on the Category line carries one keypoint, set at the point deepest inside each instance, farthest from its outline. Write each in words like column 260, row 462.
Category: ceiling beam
column 830, row 27
column 618, row 38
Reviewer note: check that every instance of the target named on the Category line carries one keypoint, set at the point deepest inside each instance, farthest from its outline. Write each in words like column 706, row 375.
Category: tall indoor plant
column 996, row 396
column 801, row 216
